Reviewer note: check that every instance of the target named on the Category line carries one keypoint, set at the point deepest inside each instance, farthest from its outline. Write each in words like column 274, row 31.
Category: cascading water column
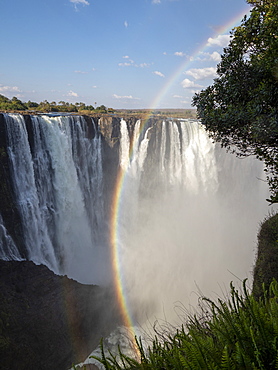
column 176, row 233
column 57, row 176
column 183, row 232
column 8, row 249
column 36, row 237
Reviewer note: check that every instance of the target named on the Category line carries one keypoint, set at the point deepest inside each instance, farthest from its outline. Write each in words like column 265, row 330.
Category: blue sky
column 123, row 54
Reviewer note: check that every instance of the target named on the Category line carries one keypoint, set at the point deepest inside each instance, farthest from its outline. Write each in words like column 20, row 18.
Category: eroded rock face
column 49, row 321
column 266, row 266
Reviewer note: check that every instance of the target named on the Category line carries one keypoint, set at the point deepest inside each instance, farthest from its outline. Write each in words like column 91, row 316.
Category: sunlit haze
column 124, row 54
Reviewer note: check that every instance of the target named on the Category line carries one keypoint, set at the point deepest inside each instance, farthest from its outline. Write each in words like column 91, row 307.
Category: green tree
column 3, row 99
column 101, row 109
column 89, row 107
column 31, row 104
column 240, row 109
column 16, row 104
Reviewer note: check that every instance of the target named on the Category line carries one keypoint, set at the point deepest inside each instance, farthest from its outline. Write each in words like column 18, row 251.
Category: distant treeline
column 173, row 113
column 16, row 104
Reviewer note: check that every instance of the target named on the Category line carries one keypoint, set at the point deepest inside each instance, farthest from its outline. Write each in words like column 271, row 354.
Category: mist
column 188, row 217
column 188, row 224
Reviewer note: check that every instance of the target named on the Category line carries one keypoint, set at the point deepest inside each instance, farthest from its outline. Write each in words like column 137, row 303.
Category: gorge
column 151, row 205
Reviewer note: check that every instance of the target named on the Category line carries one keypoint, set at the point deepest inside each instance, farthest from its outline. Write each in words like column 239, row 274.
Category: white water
column 8, row 249
column 196, row 230
column 191, row 234
column 189, row 216
column 59, row 195
column 189, row 212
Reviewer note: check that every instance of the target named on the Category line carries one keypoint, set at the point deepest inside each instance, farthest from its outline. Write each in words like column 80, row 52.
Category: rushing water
column 58, row 181
column 190, row 223
column 187, row 224
column 189, row 212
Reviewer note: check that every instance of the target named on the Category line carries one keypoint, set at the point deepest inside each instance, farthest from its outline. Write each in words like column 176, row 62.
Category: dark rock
column 48, row 321
column 266, row 267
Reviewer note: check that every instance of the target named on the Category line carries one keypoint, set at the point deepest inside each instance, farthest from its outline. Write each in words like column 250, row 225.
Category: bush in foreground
column 239, row 333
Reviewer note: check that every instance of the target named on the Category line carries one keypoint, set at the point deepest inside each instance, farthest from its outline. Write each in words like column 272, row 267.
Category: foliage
column 11, row 104
column 45, row 106
column 266, row 267
column 240, row 333
column 15, row 104
column 241, row 107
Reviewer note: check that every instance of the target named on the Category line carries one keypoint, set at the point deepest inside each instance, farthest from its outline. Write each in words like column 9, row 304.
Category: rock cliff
column 47, row 321
column 266, row 267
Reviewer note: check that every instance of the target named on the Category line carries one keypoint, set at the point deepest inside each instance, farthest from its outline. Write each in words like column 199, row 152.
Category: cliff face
column 48, row 321
column 266, row 267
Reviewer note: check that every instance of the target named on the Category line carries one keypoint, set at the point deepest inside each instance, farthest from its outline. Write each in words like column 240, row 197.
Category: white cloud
column 81, row 72
column 156, row 1
column 72, row 94
column 143, row 65
column 177, row 96
column 186, row 84
column 124, row 97
column 201, row 73
column 220, row 40
column 195, row 91
column 76, row 2
column 126, row 64
column 179, row 54
column 132, row 63
column 215, row 56
column 125, row 24
column 158, row 73
column 94, row 87
column 9, row 89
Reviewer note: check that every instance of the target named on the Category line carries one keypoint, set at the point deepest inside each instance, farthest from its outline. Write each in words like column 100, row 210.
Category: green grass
column 238, row 333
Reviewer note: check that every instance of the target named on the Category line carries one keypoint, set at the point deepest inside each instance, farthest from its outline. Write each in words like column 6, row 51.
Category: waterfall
column 58, row 182
column 189, row 216
column 189, row 211
column 124, row 146
column 8, row 249
column 187, row 223
column 35, row 235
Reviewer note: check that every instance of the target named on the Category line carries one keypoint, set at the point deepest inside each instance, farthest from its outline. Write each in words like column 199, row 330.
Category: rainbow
column 202, row 48
column 121, row 177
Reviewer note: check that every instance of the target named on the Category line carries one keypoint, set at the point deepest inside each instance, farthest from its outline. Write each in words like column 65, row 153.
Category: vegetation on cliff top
column 16, row 105
column 240, row 109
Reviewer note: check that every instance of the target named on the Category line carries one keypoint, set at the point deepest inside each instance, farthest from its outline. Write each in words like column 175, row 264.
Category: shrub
column 240, row 333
